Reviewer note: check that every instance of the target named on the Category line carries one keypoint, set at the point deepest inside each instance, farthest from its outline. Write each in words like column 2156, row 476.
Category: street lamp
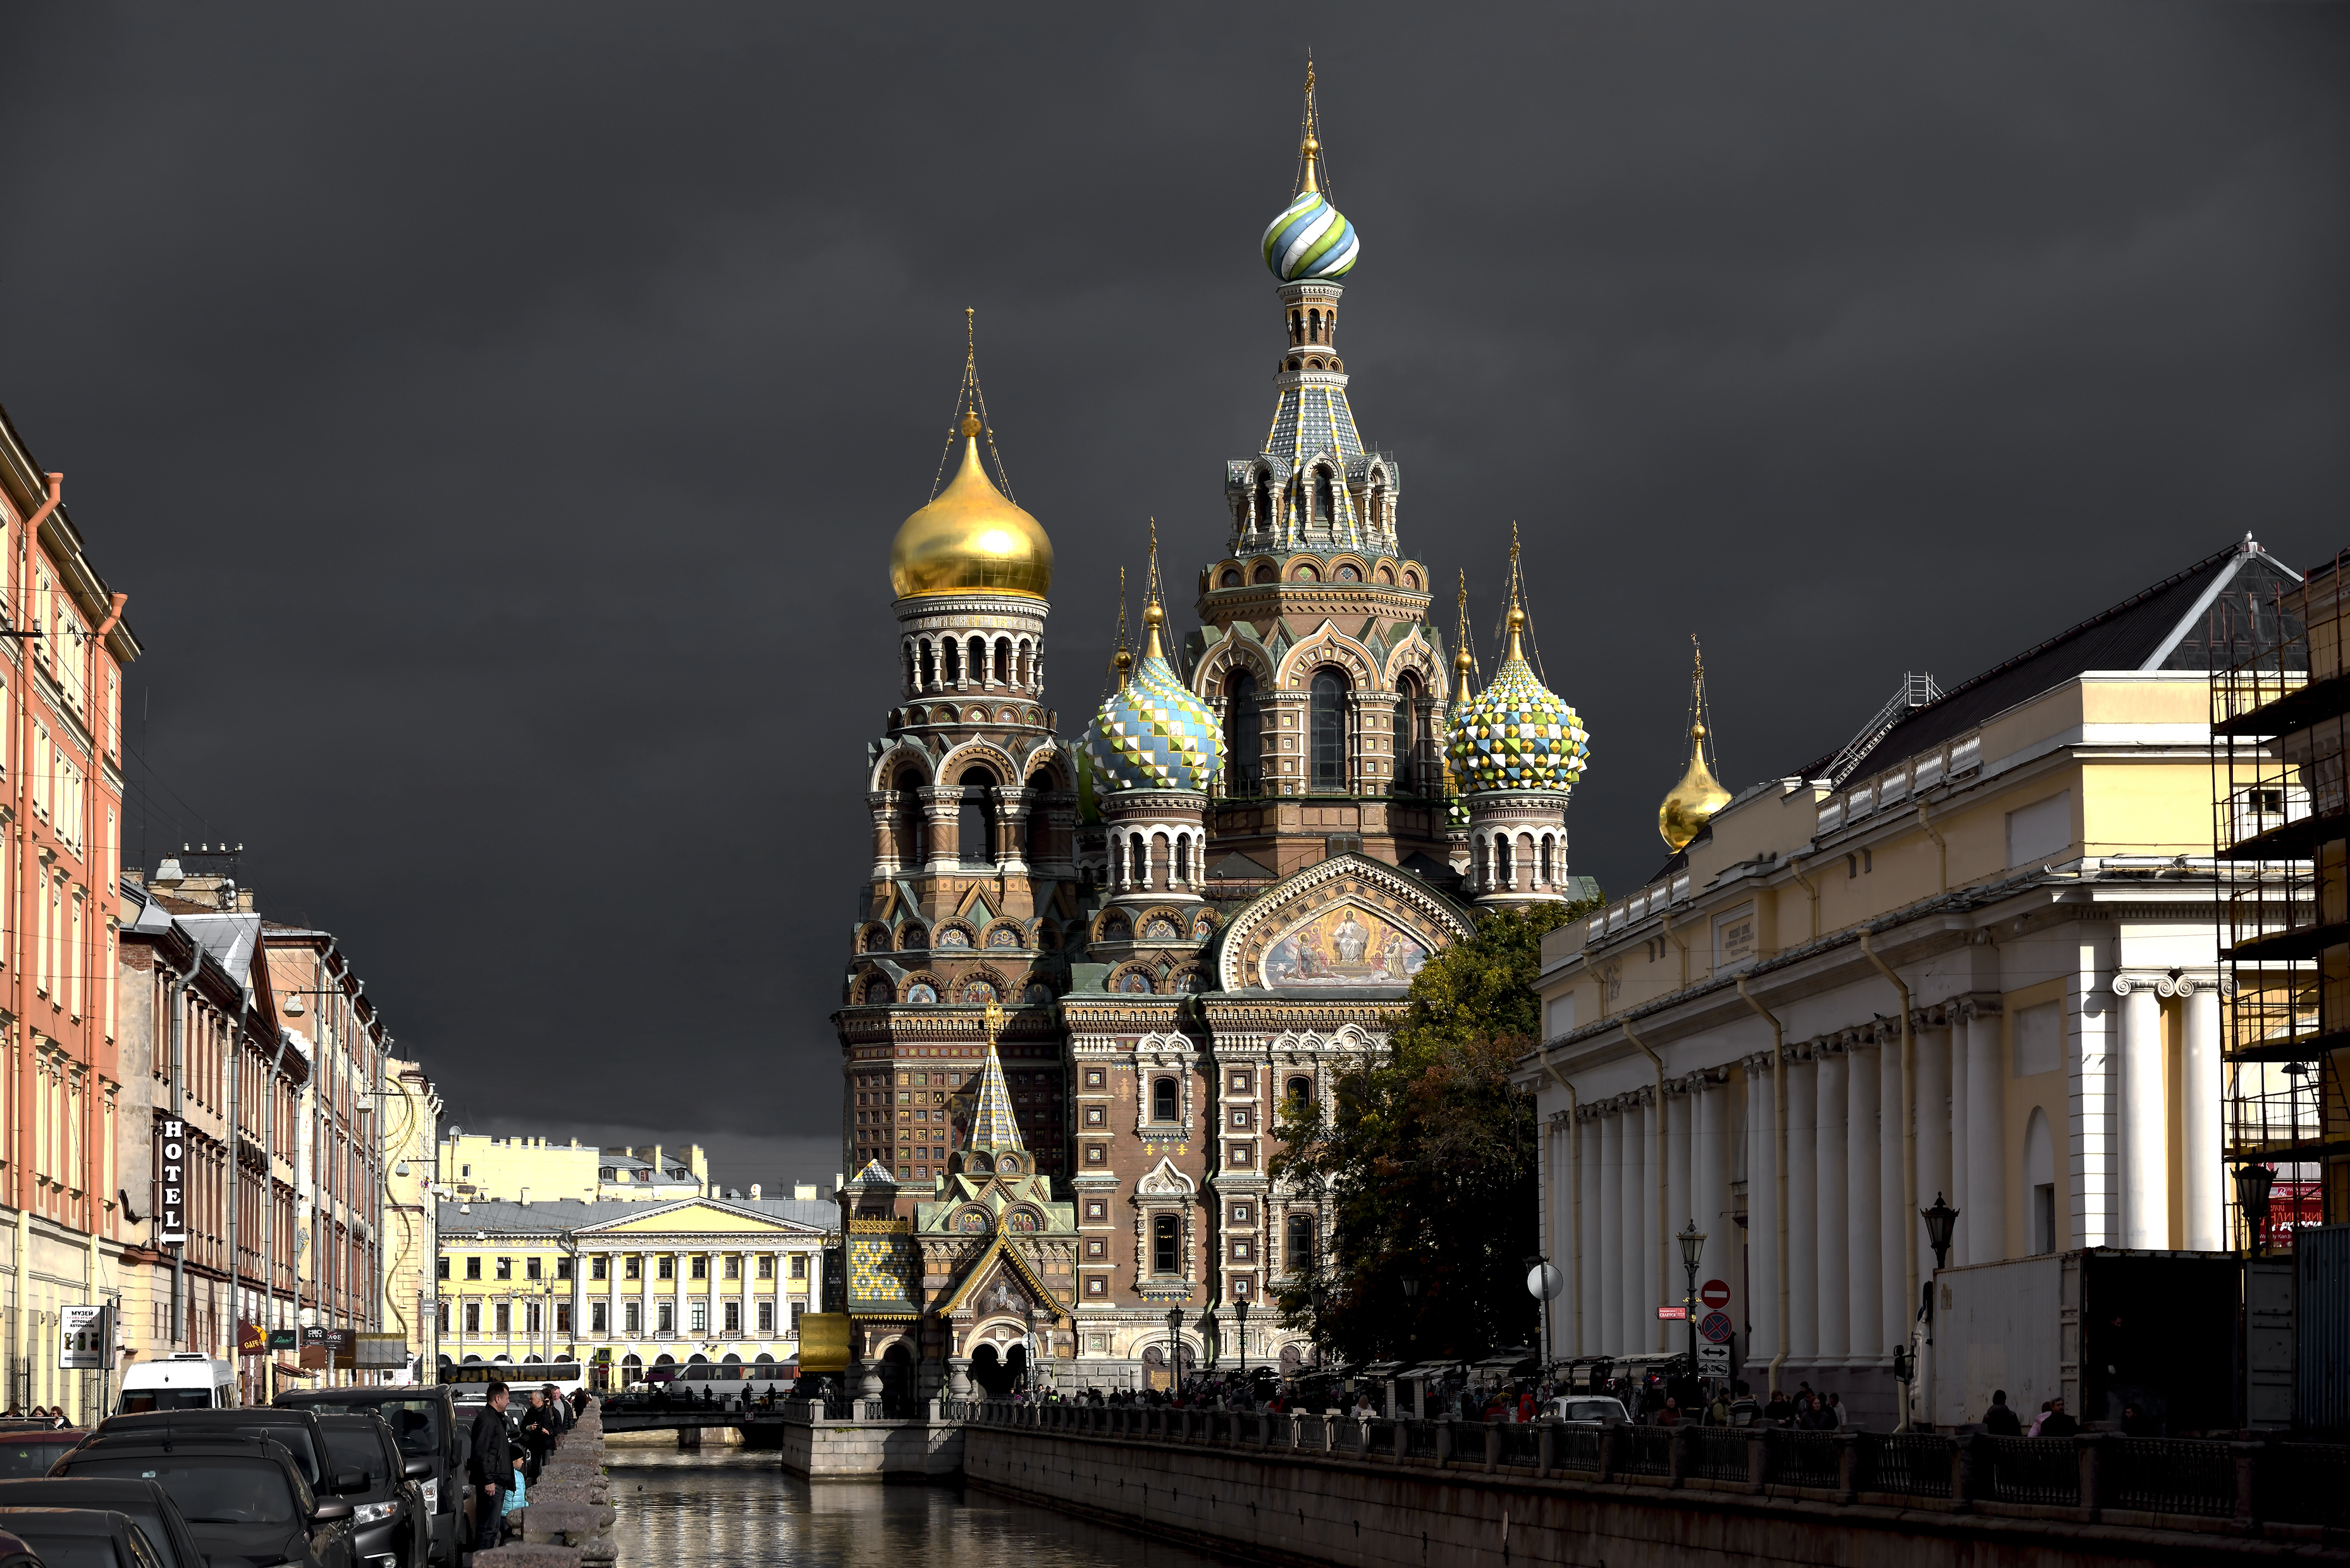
column 1940, row 1220
column 1692, row 1240
column 1242, row 1306
column 2252, row 1183
column 1211, row 1336
column 1174, row 1349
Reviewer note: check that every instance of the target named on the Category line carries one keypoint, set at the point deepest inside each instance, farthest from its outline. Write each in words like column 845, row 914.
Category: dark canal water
column 740, row 1510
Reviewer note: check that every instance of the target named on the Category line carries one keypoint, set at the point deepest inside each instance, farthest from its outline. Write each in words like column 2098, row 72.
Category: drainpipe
column 1779, row 1129
column 1574, row 1163
column 1909, row 1141
column 91, row 1202
column 1926, row 823
column 236, row 1169
column 175, row 995
column 1795, row 868
column 27, row 857
column 269, row 1215
column 1664, row 1216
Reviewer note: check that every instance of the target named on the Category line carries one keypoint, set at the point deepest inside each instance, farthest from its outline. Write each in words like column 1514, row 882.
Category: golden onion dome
column 1693, row 801
column 971, row 539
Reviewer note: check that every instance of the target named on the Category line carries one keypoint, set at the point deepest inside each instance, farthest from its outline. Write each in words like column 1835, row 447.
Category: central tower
column 1316, row 654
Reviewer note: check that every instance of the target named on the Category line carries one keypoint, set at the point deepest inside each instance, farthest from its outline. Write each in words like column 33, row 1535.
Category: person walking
column 492, row 1466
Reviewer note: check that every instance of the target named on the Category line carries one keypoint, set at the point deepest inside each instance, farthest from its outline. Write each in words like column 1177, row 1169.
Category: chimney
column 805, row 1191
column 754, row 1192
column 522, row 1196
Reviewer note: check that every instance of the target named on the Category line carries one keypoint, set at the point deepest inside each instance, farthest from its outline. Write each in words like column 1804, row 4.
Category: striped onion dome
column 1311, row 239
column 1517, row 733
column 1151, row 732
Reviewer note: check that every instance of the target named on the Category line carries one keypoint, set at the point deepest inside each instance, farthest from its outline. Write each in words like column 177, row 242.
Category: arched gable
column 1346, row 922
column 979, row 751
column 1413, row 654
column 1326, row 644
column 894, row 758
column 1225, row 658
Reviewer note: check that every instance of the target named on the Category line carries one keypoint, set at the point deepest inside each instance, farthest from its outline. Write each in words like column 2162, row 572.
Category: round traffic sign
column 1715, row 1295
column 1716, row 1327
column 1544, row 1282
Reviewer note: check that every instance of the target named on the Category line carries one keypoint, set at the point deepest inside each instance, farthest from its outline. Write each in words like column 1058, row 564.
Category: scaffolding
column 2281, row 827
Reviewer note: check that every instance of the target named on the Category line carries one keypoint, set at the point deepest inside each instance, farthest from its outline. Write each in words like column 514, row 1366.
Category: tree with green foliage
column 1428, row 1156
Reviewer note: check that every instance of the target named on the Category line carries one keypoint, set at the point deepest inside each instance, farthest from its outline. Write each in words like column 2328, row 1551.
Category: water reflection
column 743, row 1511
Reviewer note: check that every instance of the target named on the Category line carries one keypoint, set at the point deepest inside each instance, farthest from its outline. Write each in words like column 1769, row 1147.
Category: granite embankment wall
column 833, row 1448
column 1350, row 1505
column 569, row 1521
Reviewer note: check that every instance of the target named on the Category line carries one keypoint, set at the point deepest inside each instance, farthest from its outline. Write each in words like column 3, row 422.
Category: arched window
column 951, row 654
column 979, row 674
column 1161, row 861
column 1299, row 1245
column 1322, row 496
column 1243, row 736
column 1483, row 881
column 1003, row 670
column 1265, row 518
column 1327, row 716
column 1183, row 858
column 973, row 844
column 1162, row 1100
column 1314, row 326
column 906, row 821
column 1545, row 872
column 1166, row 1245
column 1407, row 713
column 1040, row 837
column 1138, row 862
column 913, row 670
column 1501, row 861
column 929, row 676
column 1299, row 1091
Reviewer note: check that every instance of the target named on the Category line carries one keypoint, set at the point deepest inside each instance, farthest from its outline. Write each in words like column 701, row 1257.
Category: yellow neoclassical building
column 624, row 1286
column 477, row 1165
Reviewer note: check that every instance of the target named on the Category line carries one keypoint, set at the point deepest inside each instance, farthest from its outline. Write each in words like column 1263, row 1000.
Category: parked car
column 32, row 1452
column 147, row 1505
column 81, row 1537
column 15, row 1553
column 1587, row 1407
column 242, row 1496
column 389, row 1528
column 432, row 1445
column 297, row 1430
column 184, row 1380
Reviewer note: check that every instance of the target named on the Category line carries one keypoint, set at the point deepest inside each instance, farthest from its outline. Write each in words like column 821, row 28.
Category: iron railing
column 2044, row 1471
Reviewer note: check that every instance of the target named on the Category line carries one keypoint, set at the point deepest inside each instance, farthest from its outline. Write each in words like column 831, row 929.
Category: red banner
column 252, row 1339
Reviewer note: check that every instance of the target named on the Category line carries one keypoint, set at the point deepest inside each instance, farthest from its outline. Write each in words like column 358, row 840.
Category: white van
column 184, row 1380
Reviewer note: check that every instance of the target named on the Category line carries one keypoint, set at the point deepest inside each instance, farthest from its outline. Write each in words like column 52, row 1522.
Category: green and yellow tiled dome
column 1151, row 732
column 1517, row 733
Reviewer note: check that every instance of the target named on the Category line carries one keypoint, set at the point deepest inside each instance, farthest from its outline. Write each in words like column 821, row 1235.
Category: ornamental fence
column 2177, row 1482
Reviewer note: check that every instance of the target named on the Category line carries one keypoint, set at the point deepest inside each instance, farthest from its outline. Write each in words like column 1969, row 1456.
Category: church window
column 1164, row 1246
column 971, row 825
column 1265, row 518
column 1482, row 881
column 1501, row 873
column 1328, row 718
column 1183, row 859
column 1300, row 1243
column 1138, row 871
column 1162, row 1100
column 1004, row 663
column 1301, row 1093
column 1545, row 860
column 913, row 670
column 950, row 671
column 1322, row 496
column 1314, row 326
column 1243, row 736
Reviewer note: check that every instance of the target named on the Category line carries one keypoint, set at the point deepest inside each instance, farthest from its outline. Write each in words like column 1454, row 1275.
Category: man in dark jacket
column 492, row 1466
column 1999, row 1421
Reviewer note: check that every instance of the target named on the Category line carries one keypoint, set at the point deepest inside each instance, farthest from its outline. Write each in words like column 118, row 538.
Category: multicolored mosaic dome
column 1311, row 239
column 1517, row 734
column 1152, row 734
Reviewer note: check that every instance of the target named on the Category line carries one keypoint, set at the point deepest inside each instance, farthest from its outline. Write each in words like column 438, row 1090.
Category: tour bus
column 468, row 1383
column 184, row 1380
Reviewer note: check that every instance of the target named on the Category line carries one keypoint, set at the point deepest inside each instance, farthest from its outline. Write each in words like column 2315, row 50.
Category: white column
column 1865, row 1067
column 2144, row 1119
column 1761, row 1304
column 1628, row 1286
column 1984, row 1225
column 1936, row 1115
column 1803, row 1208
column 1893, row 1211
column 1680, row 1196
column 1591, row 1205
column 2201, row 1168
column 1652, row 1335
column 1835, row 1245
column 1957, row 1190
column 1607, row 1275
column 1710, row 1175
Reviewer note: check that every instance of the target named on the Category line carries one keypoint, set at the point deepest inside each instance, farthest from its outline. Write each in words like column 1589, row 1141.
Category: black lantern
column 1692, row 1240
column 1940, row 1219
column 1241, row 1307
column 2252, row 1184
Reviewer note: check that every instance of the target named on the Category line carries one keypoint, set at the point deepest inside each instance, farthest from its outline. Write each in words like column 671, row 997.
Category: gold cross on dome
column 994, row 1020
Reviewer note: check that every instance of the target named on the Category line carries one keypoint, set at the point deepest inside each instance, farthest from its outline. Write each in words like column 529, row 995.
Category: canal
column 740, row 1510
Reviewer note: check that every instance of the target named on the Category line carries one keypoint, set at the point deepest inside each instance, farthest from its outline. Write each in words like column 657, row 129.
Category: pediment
column 699, row 1215
column 1347, row 923
column 1164, row 1181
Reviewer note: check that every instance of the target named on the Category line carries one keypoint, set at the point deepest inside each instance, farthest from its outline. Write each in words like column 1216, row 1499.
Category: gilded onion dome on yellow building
column 972, row 539
column 1692, row 802
column 1517, row 733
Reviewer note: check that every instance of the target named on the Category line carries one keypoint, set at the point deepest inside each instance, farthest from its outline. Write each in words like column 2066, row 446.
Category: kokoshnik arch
column 1212, row 902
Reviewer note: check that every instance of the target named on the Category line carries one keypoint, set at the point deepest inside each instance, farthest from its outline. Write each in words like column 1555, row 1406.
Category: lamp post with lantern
column 1692, row 1240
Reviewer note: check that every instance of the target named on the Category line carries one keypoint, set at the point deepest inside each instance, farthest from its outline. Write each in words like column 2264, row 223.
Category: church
column 1088, row 975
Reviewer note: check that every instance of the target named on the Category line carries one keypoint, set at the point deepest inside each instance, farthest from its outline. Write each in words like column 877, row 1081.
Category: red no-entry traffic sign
column 1715, row 1295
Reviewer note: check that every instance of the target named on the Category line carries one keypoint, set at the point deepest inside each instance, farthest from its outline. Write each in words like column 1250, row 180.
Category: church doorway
column 897, row 1380
column 1015, row 1365
column 989, row 1372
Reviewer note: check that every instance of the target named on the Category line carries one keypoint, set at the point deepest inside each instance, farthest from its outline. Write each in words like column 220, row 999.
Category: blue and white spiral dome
column 1152, row 734
column 1311, row 239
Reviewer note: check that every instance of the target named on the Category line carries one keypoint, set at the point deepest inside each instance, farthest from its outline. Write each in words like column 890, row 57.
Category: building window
column 665, row 1317
column 1300, row 1243
column 1162, row 1100
column 473, row 1317
column 767, row 1317
column 633, row 1268
column 600, row 1267
column 733, row 1317
column 1243, row 736
column 698, row 1267
column 632, row 1314
column 472, row 1268
column 1328, row 721
column 505, row 1317
column 599, row 1318
column 733, row 1266
column 441, row 1270
column 665, row 1267
column 563, row 1317
column 1300, row 1093
column 530, row 1268
column 442, row 1319
column 562, row 1267
column 506, row 1268
column 767, row 1265
column 799, row 1309
column 1165, row 1242
column 799, row 1265
column 697, row 1316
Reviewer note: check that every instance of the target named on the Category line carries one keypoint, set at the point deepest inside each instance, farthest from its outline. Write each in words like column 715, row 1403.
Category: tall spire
column 1311, row 174
column 1153, row 613
column 971, row 411
column 993, row 1127
column 1691, row 803
column 1464, row 661
column 1121, row 659
column 1517, row 616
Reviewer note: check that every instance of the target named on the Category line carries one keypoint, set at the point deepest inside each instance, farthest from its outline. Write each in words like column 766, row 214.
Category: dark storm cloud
column 498, row 416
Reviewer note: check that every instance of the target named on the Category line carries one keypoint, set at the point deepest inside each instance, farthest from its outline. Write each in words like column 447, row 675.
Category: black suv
column 389, row 1528
column 297, row 1431
column 241, row 1496
column 433, row 1447
column 147, row 1505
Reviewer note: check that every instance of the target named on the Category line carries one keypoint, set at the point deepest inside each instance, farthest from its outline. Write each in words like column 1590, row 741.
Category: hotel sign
column 170, row 1182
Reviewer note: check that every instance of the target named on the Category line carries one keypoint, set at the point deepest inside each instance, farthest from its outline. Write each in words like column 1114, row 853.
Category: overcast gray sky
column 499, row 415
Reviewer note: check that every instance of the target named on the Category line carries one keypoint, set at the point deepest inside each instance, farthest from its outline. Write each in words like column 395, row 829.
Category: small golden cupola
column 972, row 539
column 1692, row 802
